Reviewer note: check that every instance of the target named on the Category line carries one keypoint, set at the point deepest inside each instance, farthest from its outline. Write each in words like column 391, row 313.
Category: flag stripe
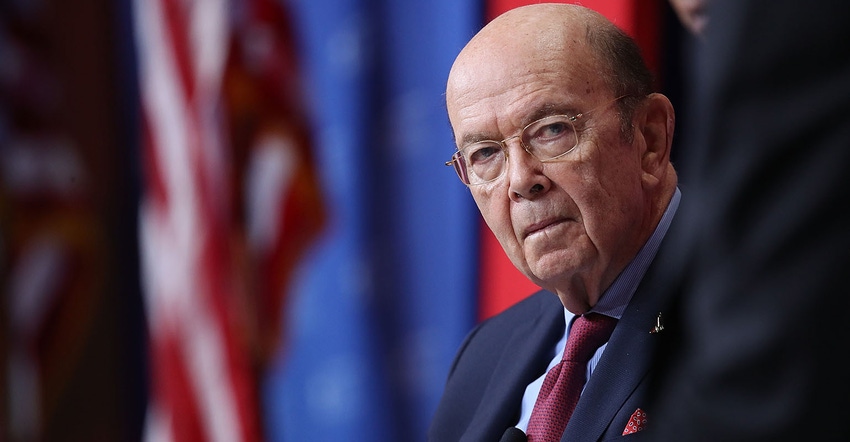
column 200, row 390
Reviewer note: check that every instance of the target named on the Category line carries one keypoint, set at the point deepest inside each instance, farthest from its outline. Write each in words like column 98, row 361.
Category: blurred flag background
column 229, row 220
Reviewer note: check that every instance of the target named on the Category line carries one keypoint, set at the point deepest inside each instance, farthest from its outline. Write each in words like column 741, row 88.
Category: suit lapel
column 524, row 357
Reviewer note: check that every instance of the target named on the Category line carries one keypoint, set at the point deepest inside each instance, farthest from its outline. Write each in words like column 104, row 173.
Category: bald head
column 537, row 27
column 561, row 39
column 534, row 28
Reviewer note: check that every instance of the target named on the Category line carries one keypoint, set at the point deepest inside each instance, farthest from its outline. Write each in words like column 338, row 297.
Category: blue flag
column 381, row 304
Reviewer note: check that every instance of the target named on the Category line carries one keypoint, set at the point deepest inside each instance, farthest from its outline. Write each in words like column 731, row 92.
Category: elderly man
column 565, row 150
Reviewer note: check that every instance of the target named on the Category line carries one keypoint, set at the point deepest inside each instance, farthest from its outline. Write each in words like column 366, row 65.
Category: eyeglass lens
column 545, row 139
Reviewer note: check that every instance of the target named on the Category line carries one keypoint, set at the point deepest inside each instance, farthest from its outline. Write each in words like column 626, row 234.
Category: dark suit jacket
column 767, row 245
column 501, row 356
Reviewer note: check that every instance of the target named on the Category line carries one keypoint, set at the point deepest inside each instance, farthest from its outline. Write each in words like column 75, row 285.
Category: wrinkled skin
column 570, row 226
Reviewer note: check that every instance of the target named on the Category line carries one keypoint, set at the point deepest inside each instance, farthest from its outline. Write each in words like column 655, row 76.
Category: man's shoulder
column 535, row 319
column 540, row 304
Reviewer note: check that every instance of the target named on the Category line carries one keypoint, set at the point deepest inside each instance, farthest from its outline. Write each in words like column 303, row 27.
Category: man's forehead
column 496, row 59
column 519, row 66
column 524, row 83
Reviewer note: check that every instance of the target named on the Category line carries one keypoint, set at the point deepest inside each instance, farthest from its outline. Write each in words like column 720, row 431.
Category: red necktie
column 563, row 383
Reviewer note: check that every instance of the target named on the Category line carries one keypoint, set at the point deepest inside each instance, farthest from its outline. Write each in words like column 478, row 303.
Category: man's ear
column 656, row 124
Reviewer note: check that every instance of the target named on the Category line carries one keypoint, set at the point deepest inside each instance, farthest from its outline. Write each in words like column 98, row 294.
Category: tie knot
column 588, row 333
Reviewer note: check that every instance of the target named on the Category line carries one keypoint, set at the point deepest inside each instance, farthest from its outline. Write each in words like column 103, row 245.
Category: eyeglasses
column 547, row 139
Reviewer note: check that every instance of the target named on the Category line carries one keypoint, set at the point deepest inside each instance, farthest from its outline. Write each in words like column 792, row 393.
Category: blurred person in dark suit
column 693, row 14
column 580, row 192
column 764, row 243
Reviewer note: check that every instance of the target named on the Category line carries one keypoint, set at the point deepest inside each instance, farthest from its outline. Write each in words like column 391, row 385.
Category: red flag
column 230, row 203
column 502, row 285
column 278, row 207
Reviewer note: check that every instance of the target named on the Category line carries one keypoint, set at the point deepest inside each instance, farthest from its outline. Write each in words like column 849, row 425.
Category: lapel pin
column 658, row 325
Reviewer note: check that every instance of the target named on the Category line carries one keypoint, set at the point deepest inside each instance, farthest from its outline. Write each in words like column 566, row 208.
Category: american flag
column 229, row 204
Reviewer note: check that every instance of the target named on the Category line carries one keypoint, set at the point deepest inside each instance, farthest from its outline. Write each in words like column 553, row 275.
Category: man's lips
column 541, row 225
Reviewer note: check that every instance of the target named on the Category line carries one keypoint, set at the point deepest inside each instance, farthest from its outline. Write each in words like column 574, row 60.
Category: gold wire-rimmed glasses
column 547, row 139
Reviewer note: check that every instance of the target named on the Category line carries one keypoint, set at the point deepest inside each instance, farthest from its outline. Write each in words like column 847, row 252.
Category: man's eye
column 552, row 131
column 481, row 154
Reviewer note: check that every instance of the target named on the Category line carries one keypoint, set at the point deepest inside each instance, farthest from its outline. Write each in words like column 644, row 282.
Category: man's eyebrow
column 549, row 109
column 475, row 138
column 543, row 111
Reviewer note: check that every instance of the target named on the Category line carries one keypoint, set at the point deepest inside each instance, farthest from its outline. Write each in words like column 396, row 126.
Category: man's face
column 571, row 225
